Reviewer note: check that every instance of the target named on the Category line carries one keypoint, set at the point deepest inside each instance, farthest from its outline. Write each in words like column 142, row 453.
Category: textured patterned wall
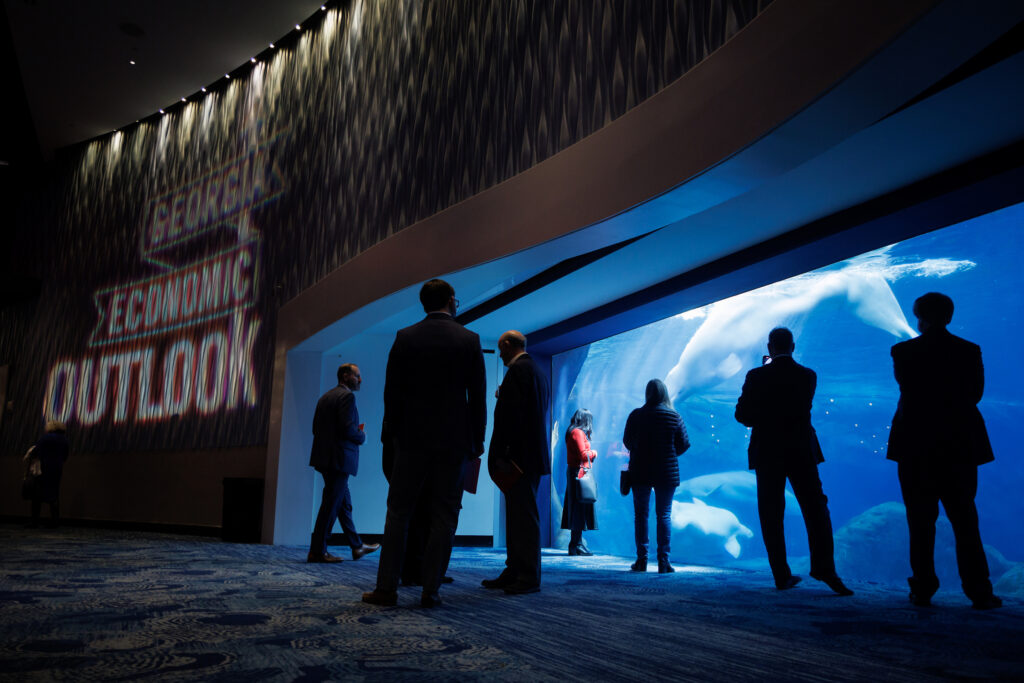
column 392, row 111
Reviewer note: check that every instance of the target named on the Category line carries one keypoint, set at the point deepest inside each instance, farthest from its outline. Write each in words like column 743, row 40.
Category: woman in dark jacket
column 579, row 457
column 52, row 451
column 655, row 436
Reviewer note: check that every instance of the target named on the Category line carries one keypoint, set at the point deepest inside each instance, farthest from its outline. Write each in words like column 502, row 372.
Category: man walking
column 436, row 412
column 337, row 435
column 518, row 457
column 938, row 437
column 776, row 403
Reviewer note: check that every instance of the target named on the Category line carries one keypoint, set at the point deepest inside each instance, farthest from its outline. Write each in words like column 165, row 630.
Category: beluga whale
column 734, row 330
column 712, row 521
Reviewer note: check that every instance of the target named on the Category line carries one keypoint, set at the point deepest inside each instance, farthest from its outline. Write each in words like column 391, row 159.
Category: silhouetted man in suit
column 776, row 403
column 436, row 411
column 519, row 447
column 337, row 436
column 938, row 437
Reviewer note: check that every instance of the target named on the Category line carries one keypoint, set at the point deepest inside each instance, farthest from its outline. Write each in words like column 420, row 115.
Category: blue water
column 845, row 318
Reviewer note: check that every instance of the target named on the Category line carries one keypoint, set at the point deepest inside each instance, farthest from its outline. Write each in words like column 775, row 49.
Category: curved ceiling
column 75, row 57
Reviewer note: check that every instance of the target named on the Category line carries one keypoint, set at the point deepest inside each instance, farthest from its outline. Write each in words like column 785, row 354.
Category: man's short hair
column 934, row 308
column 515, row 338
column 781, row 339
column 345, row 369
column 435, row 295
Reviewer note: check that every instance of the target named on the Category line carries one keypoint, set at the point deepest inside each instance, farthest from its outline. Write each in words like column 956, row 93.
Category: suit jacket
column 521, row 417
column 435, row 389
column 336, row 433
column 656, row 437
column 941, row 380
column 776, row 403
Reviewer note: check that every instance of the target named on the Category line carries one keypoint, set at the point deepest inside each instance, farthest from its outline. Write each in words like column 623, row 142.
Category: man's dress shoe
column 364, row 549
column 835, row 583
column 665, row 568
column 500, row 582
column 521, row 588
column 788, row 583
column 430, row 600
column 321, row 558
column 988, row 602
column 381, row 598
column 638, row 566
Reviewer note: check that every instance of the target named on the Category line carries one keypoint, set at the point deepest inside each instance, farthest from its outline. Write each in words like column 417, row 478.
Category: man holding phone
column 776, row 404
column 337, row 435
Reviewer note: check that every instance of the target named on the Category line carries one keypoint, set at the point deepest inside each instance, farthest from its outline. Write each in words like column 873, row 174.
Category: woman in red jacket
column 577, row 515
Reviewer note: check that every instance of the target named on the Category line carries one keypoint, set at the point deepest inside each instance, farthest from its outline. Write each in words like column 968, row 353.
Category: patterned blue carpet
column 81, row 604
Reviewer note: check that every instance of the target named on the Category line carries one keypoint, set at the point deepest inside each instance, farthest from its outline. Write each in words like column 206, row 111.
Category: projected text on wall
column 181, row 341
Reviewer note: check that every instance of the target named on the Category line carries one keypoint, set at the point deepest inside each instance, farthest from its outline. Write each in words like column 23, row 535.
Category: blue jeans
column 663, row 512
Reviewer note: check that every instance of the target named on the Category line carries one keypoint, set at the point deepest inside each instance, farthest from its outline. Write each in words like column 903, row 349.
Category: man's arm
column 476, row 393
column 897, row 367
column 392, row 390
column 746, row 406
column 976, row 387
column 348, row 420
column 813, row 388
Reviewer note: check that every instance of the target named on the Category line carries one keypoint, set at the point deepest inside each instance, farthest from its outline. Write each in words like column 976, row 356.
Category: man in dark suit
column 436, row 412
column 518, row 457
column 337, row 436
column 938, row 437
column 776, row 403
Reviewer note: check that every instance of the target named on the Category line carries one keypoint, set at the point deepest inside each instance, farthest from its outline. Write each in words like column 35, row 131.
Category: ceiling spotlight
column 203, row 88
column 323, row 7
column 252, row 59
column 271, row 46
column 182, row 99
column 227, row 76
column 161, row 111
column 132, row 62
column 297, row 27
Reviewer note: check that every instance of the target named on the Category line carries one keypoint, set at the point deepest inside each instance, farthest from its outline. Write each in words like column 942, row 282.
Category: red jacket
column 579, row 454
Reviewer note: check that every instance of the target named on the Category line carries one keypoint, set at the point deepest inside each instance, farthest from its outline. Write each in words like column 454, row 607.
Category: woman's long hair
column 656, row 394
column 583, row 420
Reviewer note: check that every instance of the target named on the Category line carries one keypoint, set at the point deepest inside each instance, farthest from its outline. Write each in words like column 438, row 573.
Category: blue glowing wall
column 845, row 318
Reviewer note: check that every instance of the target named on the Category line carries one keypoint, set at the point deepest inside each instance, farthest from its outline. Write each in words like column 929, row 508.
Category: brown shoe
column 364, row 549
column 321, row 558
column 381, row 598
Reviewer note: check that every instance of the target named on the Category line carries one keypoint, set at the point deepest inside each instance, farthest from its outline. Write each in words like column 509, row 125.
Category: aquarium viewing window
column 845, row 318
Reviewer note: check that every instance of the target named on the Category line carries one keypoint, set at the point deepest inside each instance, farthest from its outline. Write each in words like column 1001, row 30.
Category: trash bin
column 242, row 515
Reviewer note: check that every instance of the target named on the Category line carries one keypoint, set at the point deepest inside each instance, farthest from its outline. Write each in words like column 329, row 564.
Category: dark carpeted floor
column 79, row 604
